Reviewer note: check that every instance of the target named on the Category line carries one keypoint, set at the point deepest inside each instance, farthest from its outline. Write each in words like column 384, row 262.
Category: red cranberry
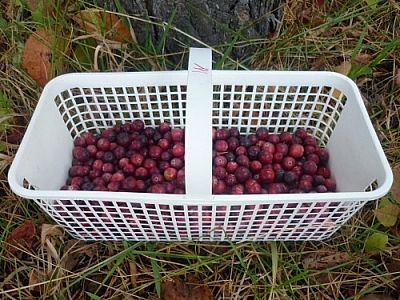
column 170, row 174
column 243, row 173
column 265, row 157
column 164, row 127
column 220, row 161
column 80, row 141
column 178, row 150
column 137, row 125
column 288, row 162
column 286, row 137
column 177, row 134
column 301, row 133
column 103, row 144
column 222, row 134
column 274, row 138
column 252, row 186
column 309, row 167
column 296, row 151
column 262, row 133
column 221, row 146
column 230, row 180
column 237, row 189
column 129, row 184
column 255, row 166
column 80, row 153
column 267, row 175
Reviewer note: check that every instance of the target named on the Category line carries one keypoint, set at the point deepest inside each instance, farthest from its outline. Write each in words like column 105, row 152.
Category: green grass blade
column 155, row 267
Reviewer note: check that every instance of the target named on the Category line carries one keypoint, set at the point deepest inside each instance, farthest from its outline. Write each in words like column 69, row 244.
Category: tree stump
column 227, row 25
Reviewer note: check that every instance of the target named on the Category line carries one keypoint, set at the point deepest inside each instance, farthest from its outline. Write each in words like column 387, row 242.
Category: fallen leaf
column 190, row 289
column 23, row 236
column 133, row 273
column 91, row 250
column 50, row 232
column 73, row 251
column 319, row 64
column 362, row 58
column 43, row 54
column 344, row 68
column 308, row 17
column 14, row 136
column 35, row 287
column 323, row 260
column 36, row 57
column 45, row 7
column 319, row 3
column 105, row 24
column 387, row 212
column 376, row 242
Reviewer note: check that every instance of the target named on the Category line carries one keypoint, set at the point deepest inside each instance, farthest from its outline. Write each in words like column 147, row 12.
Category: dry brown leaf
column 23, row 236
column 133, row 273
column 91, row 250
column 50, row 232
column 344, row 68
column 47, row 6
column 34, row 283
column 190, row 289
column 319, row 64
column 324, row 260
column 73, row 251
column 36, row 57
column 105, row 24
column 363, row 58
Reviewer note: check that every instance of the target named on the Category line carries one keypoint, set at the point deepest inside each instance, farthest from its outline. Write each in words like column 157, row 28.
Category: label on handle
column 198, row 129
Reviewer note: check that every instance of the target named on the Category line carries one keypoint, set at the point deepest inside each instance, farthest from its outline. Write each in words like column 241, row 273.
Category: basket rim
column 184, row 199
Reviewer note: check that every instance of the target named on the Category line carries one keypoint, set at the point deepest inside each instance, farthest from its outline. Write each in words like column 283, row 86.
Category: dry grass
column 58, row 267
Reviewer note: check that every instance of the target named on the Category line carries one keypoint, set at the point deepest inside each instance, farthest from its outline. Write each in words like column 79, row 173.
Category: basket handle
column 198, row 139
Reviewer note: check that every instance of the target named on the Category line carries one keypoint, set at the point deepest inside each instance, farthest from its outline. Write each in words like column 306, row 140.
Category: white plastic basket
column 327, row 104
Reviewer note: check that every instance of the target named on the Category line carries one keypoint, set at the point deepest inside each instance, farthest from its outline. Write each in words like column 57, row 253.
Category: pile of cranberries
column 133, row 157
column 269, row 163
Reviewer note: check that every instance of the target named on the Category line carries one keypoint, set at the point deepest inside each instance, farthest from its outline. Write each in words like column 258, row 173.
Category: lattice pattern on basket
column 86, row 109
column 279, row 108
column 248, row 107
column 115, row 220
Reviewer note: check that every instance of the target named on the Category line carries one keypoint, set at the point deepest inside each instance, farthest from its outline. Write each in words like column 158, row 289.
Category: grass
column 59, row 267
